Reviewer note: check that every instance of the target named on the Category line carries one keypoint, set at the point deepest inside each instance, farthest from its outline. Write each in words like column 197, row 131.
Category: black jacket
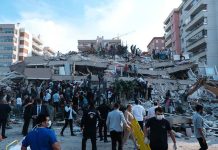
column 44, row 110
column 4, row 111
column 89, row 120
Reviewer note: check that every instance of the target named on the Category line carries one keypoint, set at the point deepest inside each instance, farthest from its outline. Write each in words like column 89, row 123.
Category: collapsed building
column 189, row 84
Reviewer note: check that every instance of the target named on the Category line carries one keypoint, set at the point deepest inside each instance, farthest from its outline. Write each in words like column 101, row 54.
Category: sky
column 61, row 23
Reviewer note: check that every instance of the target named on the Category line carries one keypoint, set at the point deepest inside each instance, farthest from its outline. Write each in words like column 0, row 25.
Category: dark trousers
column 102, row 124
column 158, row 147
column 116, row 137
column 70, row 122
column 86, row 136
column 141, row 124
column 26, row 126
column 3, row 125
column 203, row 145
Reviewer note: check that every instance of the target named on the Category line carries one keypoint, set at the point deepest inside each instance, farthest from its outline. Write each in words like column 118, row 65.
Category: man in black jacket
column 88, row 126
column 4, row 111
column 27, row 106
column 103, row 109
column 39, row 108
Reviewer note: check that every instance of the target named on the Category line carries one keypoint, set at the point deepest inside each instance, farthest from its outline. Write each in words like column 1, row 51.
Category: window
column 6, row 30
column 6, row 39
column 6, row 56
column 7, row 47
column 4, row 64
column 157, row 47
column 162, row 41
column 156, row 41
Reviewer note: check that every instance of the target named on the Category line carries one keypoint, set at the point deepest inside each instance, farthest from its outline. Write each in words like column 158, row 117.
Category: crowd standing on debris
column 47, row 102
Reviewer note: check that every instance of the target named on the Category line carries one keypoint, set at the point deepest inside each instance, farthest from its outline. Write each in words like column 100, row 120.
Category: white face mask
column 49, row 123
column 159, row 117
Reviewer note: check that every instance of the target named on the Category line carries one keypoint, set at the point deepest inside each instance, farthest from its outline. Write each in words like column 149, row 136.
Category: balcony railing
column 195, row 19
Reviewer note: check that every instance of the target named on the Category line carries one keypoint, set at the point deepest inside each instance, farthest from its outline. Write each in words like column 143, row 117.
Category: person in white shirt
column 69, row 117
column 19, row 105
column 151, row 111
column 139, row 113
column 47, row 96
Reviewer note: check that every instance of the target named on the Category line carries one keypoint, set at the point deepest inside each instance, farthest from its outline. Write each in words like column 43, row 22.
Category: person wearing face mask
column 34, row 137
column 159, row 128
column 198, row 127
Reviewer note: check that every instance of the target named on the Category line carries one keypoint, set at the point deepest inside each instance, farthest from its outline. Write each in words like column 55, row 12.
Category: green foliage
column 125, row 88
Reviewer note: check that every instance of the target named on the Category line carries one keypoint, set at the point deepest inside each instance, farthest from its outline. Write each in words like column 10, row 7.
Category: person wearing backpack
column 89, row 126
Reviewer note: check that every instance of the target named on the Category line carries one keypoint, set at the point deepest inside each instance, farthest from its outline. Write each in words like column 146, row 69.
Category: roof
column 38, row 73
column 154, row 39
column 35, row 60
column 152, row 72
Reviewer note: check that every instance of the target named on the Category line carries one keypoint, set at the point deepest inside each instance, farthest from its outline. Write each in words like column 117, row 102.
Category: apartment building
column 37, row 46
column 199, row 30
column 157, row 43
column 100, row 42
column 172, row 33
column 9, row 41
column 25, row 42
column 48, row 52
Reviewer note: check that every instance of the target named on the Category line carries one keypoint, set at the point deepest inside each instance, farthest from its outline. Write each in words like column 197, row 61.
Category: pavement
column 74, row 142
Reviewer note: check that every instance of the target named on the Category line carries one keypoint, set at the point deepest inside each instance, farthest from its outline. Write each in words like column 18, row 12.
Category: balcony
column 198, row 56
column 37, row 47
column 168, row 35
column 195, row 31
column 36, row 52
column 168, row 43
column 199, row 6
column 198, row 19
column 167, row 28
column 193, row 46
column 187, row 6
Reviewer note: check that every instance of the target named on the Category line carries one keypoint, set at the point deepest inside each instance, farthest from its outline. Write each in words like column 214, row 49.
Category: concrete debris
column 179, row 77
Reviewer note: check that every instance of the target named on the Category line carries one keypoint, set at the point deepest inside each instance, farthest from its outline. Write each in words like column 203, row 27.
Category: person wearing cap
column 159, row 129
column 88, row 126
column 198, row 123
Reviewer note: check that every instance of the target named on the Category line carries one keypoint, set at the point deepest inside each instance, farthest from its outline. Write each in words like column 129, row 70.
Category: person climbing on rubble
column 150, row 89
column 168, row 102
column 198, row 123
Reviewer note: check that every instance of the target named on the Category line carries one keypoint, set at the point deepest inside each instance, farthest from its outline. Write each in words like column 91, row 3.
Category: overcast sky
column 62, row 22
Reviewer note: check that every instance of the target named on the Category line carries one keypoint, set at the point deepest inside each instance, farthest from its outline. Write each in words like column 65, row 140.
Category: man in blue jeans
column 198, row 127
column 41, row 137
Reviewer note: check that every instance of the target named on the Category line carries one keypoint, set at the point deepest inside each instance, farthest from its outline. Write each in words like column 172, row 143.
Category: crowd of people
column 46, row 102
